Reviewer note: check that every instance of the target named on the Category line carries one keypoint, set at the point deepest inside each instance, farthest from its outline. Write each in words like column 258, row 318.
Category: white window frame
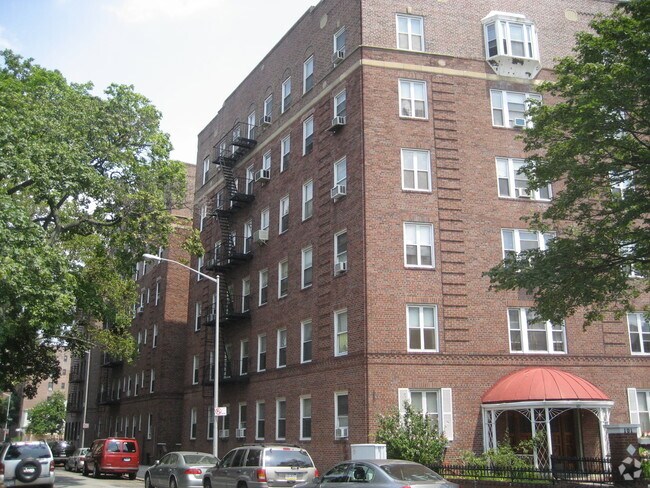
column 260, row 421
column 265, row 219
column 306, row 263
column 152, row 380
column 340, row 256
column 308, row 74
column 307, row 200
column 340, row 104
column 411, row 35
column 419, row 244
column 211, row 424
column 242, row 412
column 248, row 236
column 408, row 98
column 280, row 416
column 154, row 340
column 306, row 337
column 503, row 102
column 515, row 182
column 639, row 407
column 281, row 344
column 283, row 220
column 502, row 38
column 245, row 294
column 261, row 352
column 336, row 38
column 516, row 234
column 202, row 216
column 412, row 161
column 285, row 152
column 250, row 133
column 341, row 420
column 206, row 170
column 197, row 316
column 308, row 135
column 637, row 325
column 268, row 106
column 243, row 357
column 263, row 286
column 444, row 406
column 341, row 333
column 195, row 369
column 157, row 296
column 250, row 179
column 283, row 275
column 286, row 95
column 340, row 172
column 266, row 161
column 422, row 328
column 306, row 416
column 524, row 328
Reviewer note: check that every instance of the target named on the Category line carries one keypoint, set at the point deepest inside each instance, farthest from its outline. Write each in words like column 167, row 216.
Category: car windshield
column 278, row 457
column 200, row 459
column 411, row 472
column 27, row 450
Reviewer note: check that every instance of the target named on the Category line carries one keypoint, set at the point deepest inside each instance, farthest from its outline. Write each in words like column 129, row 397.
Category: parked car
column 262, row 466
column 114, row 455
column 26, row 463
column 385, row 473
column 61, row 450
column 179, row 469
column 76, row 461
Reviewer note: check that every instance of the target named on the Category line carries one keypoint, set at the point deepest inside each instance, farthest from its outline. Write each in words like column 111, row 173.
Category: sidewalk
column 141, row 470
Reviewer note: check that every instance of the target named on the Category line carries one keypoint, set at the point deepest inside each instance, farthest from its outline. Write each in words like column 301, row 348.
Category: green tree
column 48, row 416
column 86, row 186
column 411, row 436
column 594, row 141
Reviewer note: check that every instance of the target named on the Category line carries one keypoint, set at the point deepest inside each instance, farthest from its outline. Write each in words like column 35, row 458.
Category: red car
column 113, row 455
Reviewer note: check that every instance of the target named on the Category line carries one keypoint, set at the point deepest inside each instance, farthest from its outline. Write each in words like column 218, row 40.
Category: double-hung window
column 206, row 170
column 434, row 404
column 308, row 135
column 243, row 357
column 195, row 370
column 339, row 44
column 305, row 417
column 516, row 241
column 529, row 334
column 281, row 356
column 285, row 151
column 197, row 316
column 308, row 200
column 283, row 278
column 513, row 183
column 413, row 99
column 248, row 236
column 259, row 420
column 202, row 216
column 418, row 245
column 410, row 33
column 305, row 341
column 422, row 322
column 509, row 108
column 280, row 419
column 416, row 170
column 307, row 267
column 639, row 405
column 250, row 131
column 265, row 216
column 246, row 295
column 341, row 173
column 341, row 251
column 286, row 95
column 250, row 179
column 264, row 286
column 340, row 109
column 340, row 333
column 268, row 109
column 266, row 163
column 308, row 74
column 261, row 352
column 639, row 329
column 193, row 422
column 341, row 415
column 284, row 215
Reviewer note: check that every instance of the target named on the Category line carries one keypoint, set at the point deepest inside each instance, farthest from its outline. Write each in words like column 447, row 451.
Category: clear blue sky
column 186, row 56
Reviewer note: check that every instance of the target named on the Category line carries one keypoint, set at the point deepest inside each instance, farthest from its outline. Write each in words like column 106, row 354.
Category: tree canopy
column 86, row 186
column 594, row 141
column 48, row 416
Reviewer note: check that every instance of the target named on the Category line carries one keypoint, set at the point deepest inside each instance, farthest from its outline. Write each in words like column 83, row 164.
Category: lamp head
column 151, row 256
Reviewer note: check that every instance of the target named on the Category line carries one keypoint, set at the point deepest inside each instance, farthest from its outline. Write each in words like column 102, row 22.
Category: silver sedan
column 379, row 473
column 179, row 469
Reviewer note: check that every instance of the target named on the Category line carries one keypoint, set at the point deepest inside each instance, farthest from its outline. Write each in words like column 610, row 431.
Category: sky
column 185, row 56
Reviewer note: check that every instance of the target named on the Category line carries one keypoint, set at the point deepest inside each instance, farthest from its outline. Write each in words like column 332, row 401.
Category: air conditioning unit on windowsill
column 341, row 433
column 522, row 193
column 337, row 122
column 224, row 433
column 338, row 56
column 261, row 236
column 263, row 175
column 520, row 123
column 240, row 433
column 340, row 267
column 337, row 192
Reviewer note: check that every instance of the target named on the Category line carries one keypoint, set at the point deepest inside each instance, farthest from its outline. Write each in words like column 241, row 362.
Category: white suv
column 26, row 463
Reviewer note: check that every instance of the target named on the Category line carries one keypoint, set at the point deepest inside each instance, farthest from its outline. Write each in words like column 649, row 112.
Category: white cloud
column 136, row 11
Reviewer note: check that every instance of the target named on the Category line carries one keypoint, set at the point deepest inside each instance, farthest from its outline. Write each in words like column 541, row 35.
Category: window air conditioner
column 519, row 122
column 240, row 433
column 212, row 317
column 224, row 433
column 263, row 175
column 261, row 236
column 337, row 122
column 341, row 432
column 266, row 120
column 338, row 56
column 522, row 193
column 337, row 192
column 340, row 267
column 141, row 309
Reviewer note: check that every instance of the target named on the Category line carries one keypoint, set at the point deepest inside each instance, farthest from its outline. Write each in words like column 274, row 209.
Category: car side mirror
column 157, row 462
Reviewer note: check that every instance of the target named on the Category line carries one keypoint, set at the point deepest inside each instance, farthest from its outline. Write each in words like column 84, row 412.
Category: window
column 259, row 420
column 211, row 366
column 243, row 357
column 639, row 329
column 509, row 108
column 416, row 170
column 305, row 341
column 418, row 245
column 285, row 150
column 306, row 267
column 339, row 42
column 206, row 169
column 227, row 361
column 202, row 216
column 199, row 266
column 413, row 99
column 341, row 251
column 409, row 33
column 248, row 236
column 268, row 109
column 422, row 323
column 435, row 404
column 242, row 416
column 280, row 419
column 261, row 352
column 265, row 219
column 308, row 200
column 286, row 95
column 246, row 295
column 639, row 404
column 197, row 316
column 341, row 333
column 264, row 287
column 305, row 417
column 284, row 215
column 224, row 420
column 210, row 433
column 195, row 370
column 282, row 348
column 307, row 135
column 528, row 334
column 513, row 183
column 250, row 179
column 510, row 35
column 341, row 415
column 266, row 162
column 283, row 278
column 516, row 241
column 308, row 74
column 157, row 293
column 340, row 104
column 149, row 425
column 340, row 172
column 152, row 380
column 250, row 132
column 154, row 340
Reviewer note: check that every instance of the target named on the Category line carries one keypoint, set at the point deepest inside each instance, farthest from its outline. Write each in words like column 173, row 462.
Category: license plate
column 291, row 478
column 126, row 459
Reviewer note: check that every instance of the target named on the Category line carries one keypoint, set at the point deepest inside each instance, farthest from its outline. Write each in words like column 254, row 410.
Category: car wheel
column 172, row 483
column 28, row 470
column 85, row 471
column 96, row 472
column 147, row 482
column 206, row 483
column 132, row 476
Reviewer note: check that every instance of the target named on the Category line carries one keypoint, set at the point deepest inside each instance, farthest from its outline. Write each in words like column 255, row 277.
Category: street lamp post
column 215, row 403
column 6, row 429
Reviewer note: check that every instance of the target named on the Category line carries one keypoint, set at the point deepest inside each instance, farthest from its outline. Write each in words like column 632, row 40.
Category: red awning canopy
column 542, row 384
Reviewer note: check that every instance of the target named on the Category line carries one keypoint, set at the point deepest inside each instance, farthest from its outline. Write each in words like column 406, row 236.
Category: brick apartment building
column 350, row 193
